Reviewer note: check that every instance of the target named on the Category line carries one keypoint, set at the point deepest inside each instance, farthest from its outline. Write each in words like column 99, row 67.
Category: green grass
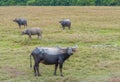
column 96, row 31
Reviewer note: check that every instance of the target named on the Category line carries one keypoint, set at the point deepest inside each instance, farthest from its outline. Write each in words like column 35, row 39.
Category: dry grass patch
column 94, row 29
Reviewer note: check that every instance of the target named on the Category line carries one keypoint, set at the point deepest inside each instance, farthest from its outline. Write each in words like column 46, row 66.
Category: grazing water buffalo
column 65, row 23
column 50, row 56
column 33, row 31
column 20, row 22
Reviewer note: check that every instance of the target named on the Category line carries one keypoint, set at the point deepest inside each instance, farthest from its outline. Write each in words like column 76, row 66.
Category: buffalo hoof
column 62, row 75
column 54, row 74
column 39, row 75
column 35, row 74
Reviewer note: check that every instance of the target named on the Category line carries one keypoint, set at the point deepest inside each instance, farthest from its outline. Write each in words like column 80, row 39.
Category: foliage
column 60, row 2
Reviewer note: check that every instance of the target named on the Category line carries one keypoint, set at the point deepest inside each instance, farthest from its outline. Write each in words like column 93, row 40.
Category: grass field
column 96, row 31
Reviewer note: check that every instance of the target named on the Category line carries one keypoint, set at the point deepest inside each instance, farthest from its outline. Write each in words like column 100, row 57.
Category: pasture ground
column 96, row 31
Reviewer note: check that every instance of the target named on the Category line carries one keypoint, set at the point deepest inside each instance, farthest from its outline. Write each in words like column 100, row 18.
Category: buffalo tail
column 30, row 61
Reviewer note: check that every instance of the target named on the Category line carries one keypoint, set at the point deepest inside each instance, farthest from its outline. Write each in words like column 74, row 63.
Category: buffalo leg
column 39, row 36
column 24, row 26
column 69, row 27
column 37, row 67
column 35, row 73
column 60, row 61
column 29, row 36
column 19, row 26
column 61, row 65
column 56, row 65
column 38, row 70
column 63, row 27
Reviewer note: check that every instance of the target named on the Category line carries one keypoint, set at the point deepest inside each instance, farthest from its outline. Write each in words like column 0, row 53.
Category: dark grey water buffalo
column 50, row 56
column 33, row 31
column 20, row 22
column 65, row 23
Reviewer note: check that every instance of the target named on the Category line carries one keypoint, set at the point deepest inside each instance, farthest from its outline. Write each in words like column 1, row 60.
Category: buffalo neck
column 65, row 56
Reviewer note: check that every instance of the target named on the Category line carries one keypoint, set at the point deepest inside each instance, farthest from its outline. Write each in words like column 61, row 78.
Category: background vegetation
column 60, row 2
column 96, row 31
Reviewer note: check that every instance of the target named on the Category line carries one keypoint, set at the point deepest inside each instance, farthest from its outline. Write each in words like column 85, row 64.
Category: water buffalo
column 20, row 22
column 65, row 23
column 33, row 31
column 50, row 56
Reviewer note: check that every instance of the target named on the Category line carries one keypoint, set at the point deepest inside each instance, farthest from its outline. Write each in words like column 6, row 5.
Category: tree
column 98, row 2
column 60, row 2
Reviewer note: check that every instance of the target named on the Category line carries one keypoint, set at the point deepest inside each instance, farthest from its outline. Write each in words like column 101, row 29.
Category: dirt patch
column 114, row 79
column 13, row 72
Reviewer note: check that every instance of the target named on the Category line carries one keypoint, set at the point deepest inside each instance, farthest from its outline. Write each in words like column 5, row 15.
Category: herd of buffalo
column 47, row 55
column 38, row 31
